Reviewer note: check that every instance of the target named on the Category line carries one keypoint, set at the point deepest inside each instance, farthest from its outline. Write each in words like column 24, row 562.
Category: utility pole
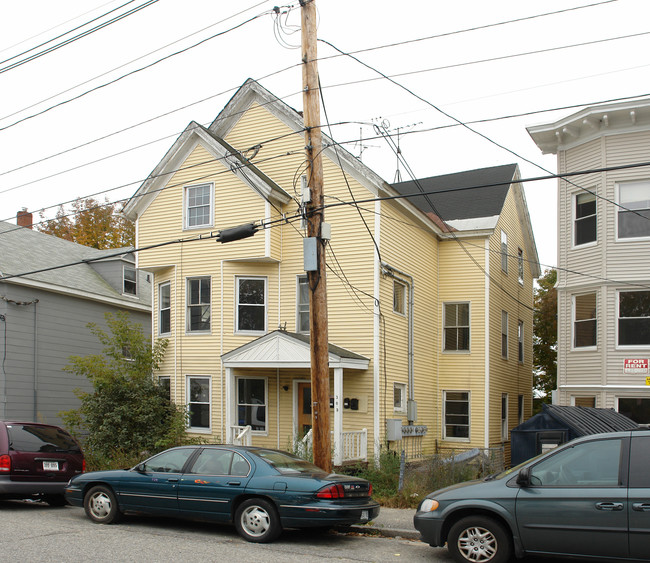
column 320, row 378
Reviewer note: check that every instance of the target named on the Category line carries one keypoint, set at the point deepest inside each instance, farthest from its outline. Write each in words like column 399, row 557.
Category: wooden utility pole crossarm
column 320, row 386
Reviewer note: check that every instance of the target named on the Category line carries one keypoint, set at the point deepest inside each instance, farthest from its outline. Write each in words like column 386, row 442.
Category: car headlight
column 429, row 505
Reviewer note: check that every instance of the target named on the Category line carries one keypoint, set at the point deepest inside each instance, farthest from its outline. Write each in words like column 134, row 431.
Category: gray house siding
column 40, row 338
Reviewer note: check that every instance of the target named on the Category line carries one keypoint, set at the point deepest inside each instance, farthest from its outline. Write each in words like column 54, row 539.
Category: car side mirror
column 140, row 468
column 523, row 477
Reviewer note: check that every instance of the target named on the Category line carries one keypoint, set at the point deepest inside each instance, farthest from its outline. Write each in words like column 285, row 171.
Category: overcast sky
column 124, row 129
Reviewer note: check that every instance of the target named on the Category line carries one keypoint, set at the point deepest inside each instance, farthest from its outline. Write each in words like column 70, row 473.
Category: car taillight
column 83, row 466
column 369, row 489
column 331, row 491
column 5, row 463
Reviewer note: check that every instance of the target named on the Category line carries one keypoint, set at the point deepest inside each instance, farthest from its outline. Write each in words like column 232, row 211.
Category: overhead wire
column 75, row 38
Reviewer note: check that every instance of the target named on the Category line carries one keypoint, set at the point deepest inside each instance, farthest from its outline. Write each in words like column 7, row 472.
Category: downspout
column 407, row 279
column 35, row 363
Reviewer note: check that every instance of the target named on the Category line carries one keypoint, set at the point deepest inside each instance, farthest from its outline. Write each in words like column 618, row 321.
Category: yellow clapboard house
column 429, row 297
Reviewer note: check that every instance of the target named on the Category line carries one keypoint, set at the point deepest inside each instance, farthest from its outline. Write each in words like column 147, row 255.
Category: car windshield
column 286, row 463
column 36, row 438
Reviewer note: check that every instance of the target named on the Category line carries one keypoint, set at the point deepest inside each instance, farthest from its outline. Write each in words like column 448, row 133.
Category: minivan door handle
column 641, row 506
column 234, row 483
column 609, row 506
column 172, row 480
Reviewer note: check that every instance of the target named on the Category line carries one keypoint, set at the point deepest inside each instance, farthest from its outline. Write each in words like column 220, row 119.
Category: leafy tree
column 545, row 335
column 91, row 223
column 128, row 414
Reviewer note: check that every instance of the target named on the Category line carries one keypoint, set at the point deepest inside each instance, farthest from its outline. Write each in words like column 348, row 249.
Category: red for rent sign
column 635, row 365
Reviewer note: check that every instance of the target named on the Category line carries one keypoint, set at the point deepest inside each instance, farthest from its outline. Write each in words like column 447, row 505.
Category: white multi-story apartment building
column 603, row 256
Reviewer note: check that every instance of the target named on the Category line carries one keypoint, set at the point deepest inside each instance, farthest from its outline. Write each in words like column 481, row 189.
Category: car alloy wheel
column 479, row 539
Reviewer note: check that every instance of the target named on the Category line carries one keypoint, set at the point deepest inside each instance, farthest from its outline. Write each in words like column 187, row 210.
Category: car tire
column 257, row 521
column 101, row 505
column 479, row 539
column 55, row 500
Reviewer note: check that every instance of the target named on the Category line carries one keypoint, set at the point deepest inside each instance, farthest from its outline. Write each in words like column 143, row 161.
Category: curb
column 385, row 532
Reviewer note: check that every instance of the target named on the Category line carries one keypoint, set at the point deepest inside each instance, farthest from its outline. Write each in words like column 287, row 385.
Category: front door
column 304, row 408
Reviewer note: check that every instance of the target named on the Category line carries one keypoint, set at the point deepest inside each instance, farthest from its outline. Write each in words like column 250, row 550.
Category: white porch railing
column 354, row 446
column 240, row 436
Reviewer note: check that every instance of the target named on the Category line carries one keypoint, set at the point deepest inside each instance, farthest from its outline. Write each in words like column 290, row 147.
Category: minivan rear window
column 36, row 438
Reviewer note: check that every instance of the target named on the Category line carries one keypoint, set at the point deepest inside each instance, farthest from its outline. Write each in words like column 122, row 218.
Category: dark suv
column 37, row 461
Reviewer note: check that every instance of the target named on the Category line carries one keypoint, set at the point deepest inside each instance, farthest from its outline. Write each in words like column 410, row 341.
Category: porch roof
column 281, row 349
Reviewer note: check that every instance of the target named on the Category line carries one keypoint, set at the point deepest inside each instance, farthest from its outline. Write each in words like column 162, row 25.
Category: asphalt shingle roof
column 25, row 250
column 483, row 194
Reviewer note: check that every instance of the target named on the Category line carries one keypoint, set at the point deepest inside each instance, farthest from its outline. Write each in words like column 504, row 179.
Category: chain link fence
column 449, row 466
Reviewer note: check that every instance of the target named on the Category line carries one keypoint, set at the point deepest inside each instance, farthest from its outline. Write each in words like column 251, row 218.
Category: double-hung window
column 520, row 409
column 584, row 320
column 198, row 206
column 198, row 304
column 520, row 266
column 164, row 308
column 399, row 297
column 198, row 402
column 504, row 417
column 456, row 327
column 504, row 334
column 130, row 284
column 302, row 306
column 520, row 341
column 634, row 210
column 584, row 230
column 634, row 318
column 504, row 252
column 251, row 305
column 456, row 415
column 251, row 403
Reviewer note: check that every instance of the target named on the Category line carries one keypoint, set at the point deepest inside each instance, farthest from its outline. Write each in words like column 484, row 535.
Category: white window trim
column 618, row 306
column 504, row 315
column 124, row 292
column 207, row 225
column 618, row 201
column 160, row 309
column 444, row 326
column 574, row 211
column 198, row 429
column 187, row 295
column 266, row 404
column 298, row 284
column 402, row 313
column 444, row 415
column 575, row 348
column 266, row 304
column 504, row 417
column 402, row 388
column 504, row 253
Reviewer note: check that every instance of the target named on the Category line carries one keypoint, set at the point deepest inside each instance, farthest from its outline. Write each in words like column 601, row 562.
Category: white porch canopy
column 280, row 349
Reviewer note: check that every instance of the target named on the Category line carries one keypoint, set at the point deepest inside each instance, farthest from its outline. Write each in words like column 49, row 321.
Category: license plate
column 50, row 466
column 364, row 515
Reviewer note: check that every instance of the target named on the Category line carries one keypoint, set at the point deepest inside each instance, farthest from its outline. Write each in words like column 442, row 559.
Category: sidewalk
column 391, row 522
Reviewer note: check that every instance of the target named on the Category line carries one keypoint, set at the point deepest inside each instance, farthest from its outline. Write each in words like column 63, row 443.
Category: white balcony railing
column 354, row 446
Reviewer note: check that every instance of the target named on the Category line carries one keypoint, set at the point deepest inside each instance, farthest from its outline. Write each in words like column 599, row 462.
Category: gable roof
column 221, row 150
column 463, row 195
column 25, row 250
column 288, row 349
column 590, row 420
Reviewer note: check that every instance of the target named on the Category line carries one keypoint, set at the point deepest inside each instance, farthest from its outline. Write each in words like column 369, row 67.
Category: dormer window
column 130, row 284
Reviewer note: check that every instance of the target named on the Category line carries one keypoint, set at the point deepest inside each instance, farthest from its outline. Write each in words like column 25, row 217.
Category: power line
column 75, row 38
column 184, row 50
column 132, row 61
